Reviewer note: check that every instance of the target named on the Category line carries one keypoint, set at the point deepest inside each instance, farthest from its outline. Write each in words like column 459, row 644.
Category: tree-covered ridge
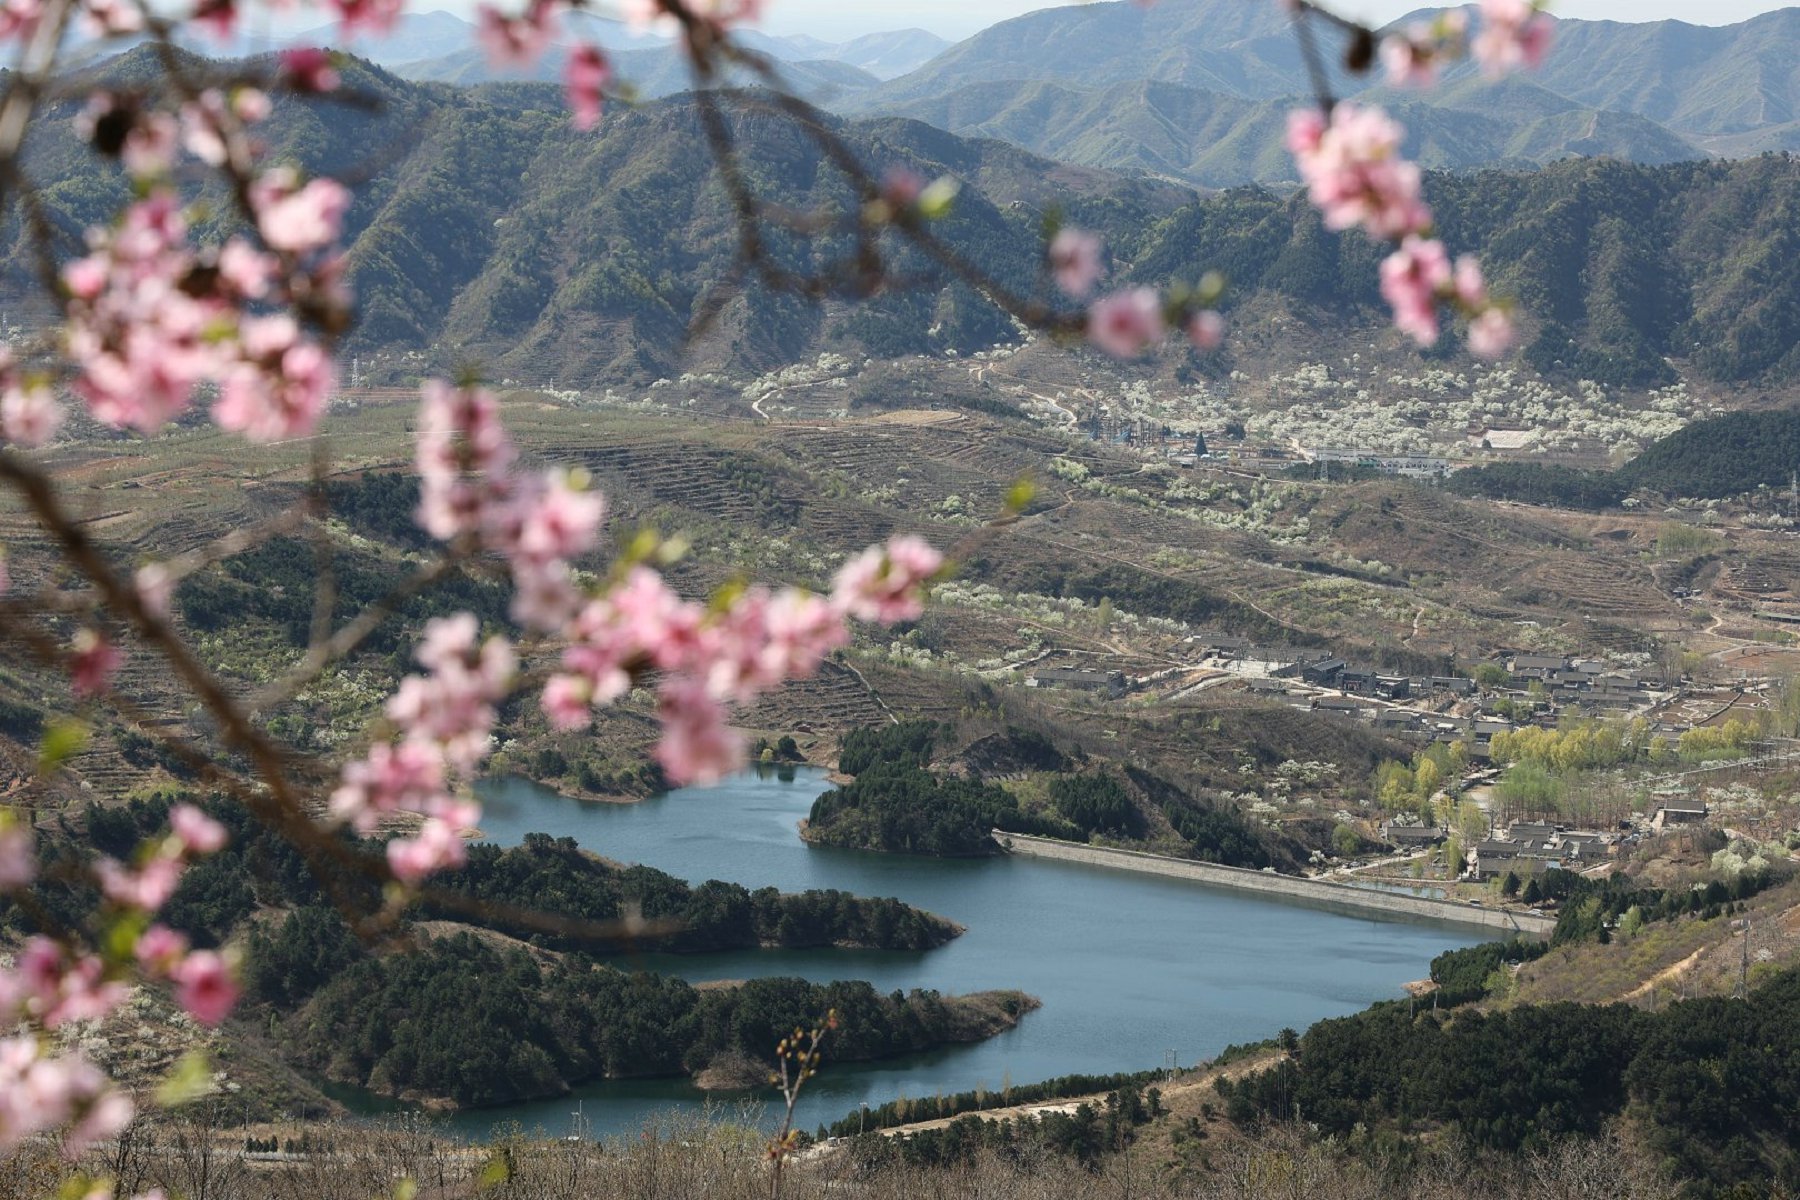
column 1715, row 458
column 554, row 875
column 1617, row 267
column 478, row 231
column 463, row 1020
column 547, row 876
column 1715, row 1082
column 364, row 1015
column 897, row 803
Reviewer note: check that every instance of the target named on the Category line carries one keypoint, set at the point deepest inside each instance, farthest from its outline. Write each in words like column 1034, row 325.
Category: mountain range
column 1192, row 90
column 485, row 228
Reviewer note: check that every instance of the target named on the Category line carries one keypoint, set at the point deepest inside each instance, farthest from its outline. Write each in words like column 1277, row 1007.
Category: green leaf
column 191, row 1079
column 1019, row 495
column 62, row 741
column 938, row 196
column 494, row 1172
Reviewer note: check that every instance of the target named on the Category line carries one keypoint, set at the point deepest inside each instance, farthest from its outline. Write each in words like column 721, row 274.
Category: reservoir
column 1133, row 970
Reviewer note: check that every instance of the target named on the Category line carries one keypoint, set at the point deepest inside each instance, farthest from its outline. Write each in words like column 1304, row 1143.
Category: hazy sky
column 959, row 18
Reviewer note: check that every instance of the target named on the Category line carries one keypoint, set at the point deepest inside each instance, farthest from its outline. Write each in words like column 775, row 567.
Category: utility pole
column 1743, row 987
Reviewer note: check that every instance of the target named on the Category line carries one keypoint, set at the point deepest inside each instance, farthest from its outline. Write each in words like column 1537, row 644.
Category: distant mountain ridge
column 484, row 228
column 1057, row 82
column 1196, row 90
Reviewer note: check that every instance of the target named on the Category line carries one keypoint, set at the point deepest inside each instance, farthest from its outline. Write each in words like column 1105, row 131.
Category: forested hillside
column 1711, row 459
column 485, row 229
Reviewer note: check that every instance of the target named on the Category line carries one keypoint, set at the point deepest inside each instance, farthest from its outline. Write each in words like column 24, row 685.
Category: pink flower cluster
column 1355, row 175
column 50, row 986
column 41, row 1092
column 150, row 319
column 29, row 413
column 446, row 718
column 1354, row 171
column 703, row 657
column 1127, row 322
column 1414, row 55
column 731, row 652
column 1514, row 33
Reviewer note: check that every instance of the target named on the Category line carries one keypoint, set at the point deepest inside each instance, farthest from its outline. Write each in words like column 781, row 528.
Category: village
column 1497, row 699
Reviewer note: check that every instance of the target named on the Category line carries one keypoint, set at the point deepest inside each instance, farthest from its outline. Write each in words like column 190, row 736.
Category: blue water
column 1131, row 969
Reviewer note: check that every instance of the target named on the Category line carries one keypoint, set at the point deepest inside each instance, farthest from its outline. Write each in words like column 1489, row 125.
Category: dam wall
column 1341, row 896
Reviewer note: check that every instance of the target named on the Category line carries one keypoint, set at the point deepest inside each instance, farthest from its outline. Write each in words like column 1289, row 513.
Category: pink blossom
column 1305, row 130
column 567, row 702
column 18, row 18
column 204, row 987
column 111, row 18
column 279, row 387
column 1408, row 63
column 463, row 459
column 298, row 218
column 92, row 665
column 901, row 187
column 309, row 70
column 1491, row 333
column 435, row 848
column 1206, row 329
column 1075, row 261
column 198, row 833
column 51, row 986
column 376, row 16
column 1514, row 33
column 802, row 630
column 218, row 16
column 1412, row 57
column 141, row 339
column 244, row 269
column 38, row 1093
column 203, row 126
column 1124, row 323
column 390, row 778
column 146, row 889
column 515, row 41
column 697, row 746
column 1354, row 172
column 586, row 75
column 447, row 640
column 149, row 149
column 29, row 414
column 558, row 519
column 18, row 859
column 155, row 587
column 1411, row 279
column 159, row 950
column 887, row 584
column 104, row 1116
column 544, row 594
column 1470, row 287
